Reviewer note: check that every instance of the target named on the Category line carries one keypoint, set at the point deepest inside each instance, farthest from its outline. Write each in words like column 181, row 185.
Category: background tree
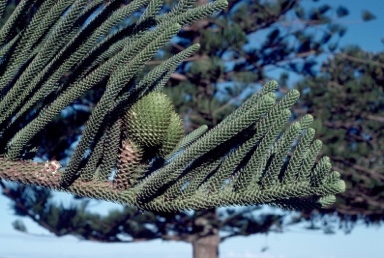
column 242, row 47
column 347, row 100
column 290, row 45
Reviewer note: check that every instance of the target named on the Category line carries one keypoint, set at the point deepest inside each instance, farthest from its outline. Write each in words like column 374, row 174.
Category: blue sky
column 368, row 35
column 295, row 243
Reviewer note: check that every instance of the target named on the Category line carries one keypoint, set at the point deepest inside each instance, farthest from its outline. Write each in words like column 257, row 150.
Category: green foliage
column 341, row 11
column 19, row 226
column 367, row 15
column 244, row 160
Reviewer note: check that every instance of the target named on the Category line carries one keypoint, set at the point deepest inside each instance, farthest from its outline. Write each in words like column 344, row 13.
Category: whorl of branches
column 247, row 159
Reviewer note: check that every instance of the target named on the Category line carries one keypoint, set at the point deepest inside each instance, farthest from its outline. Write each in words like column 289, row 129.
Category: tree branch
column 370, row 172
column 360, row 60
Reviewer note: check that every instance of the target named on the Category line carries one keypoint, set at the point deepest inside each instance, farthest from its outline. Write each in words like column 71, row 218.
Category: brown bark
column 206, row 247
column 206, row 242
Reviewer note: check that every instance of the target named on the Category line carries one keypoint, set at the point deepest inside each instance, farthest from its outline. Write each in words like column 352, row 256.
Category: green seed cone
column 147, row 121
column 174, row 134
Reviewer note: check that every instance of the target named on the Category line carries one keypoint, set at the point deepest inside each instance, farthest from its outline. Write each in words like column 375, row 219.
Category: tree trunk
column 206, row 241
column 206, row 247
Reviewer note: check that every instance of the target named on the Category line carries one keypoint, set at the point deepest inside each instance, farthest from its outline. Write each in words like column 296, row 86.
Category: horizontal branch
column 372, row 173
column 48, row 175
